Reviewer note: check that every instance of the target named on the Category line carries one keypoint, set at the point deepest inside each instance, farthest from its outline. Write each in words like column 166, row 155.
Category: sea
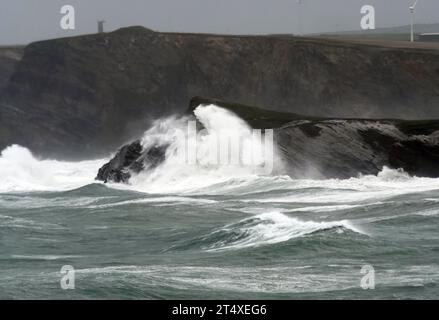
column 212, row 232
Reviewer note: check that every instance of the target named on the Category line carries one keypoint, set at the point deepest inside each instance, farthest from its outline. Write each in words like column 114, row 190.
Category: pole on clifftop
column 412, row 20
column 101, row 26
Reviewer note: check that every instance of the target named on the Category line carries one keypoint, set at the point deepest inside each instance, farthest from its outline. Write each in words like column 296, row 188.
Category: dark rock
column 310, row 129
column 117, row 170
column 131, row 158
column 347, row 148
column 377, row 139
column 416, row 157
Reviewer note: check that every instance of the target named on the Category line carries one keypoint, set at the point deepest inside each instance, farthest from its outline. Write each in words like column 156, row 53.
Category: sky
column 25, row 21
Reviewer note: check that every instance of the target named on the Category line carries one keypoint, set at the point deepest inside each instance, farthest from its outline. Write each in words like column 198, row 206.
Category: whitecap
column 21, row 171
column 269, row 228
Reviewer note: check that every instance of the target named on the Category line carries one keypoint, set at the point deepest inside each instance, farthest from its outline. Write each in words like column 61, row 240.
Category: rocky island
column 313, row 147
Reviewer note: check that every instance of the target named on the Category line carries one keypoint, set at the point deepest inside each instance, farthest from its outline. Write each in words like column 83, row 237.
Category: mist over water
column 212, row 231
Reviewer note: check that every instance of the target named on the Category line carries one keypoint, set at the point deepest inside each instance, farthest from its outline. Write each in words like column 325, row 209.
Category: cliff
column 9, row 58
column 84, row 96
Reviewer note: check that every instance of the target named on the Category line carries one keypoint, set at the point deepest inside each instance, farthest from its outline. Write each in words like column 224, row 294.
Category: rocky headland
column 311, row 147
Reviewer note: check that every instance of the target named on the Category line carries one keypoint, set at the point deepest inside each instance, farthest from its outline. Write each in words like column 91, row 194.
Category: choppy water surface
column 258, row 237
column 182, row 232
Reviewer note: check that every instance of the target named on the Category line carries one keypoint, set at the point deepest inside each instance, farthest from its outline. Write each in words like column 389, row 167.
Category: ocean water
column 213, row 233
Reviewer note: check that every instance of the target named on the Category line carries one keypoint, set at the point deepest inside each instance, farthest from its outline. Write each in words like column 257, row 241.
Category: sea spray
column 226, row 147
column 22, row 171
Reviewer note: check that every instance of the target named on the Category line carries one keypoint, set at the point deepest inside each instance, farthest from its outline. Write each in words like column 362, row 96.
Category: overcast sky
column 24, row 21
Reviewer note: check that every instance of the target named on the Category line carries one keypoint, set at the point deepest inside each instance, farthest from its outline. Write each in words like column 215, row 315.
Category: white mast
column 412, row 19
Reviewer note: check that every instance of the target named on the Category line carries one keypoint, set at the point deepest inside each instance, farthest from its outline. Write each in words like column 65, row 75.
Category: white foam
column 45, row 257
column 171, row 200
column 388, row 183
column 273, row 227
column 324, row 208
column 294, row 278
column 21, row 171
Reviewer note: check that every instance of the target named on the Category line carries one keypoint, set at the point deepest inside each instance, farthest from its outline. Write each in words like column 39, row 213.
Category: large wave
column 21, row 171
column 179, row 174
column 268, row 228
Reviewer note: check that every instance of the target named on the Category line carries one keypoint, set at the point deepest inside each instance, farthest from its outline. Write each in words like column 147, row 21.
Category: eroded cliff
column 84, row 96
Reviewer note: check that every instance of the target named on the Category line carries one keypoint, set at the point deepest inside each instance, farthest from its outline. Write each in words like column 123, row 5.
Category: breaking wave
column 21, row 171
column 269, row 228
column 227, row 148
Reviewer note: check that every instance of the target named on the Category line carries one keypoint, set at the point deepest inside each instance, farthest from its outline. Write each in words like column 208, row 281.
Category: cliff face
column 9, row 57
column 85, row 96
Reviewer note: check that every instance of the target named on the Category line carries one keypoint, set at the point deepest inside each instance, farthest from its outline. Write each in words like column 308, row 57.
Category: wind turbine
column 300, row 2
column 412, row 11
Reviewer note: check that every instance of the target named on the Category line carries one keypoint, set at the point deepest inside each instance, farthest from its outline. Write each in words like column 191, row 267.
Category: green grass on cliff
column 264, row 119
column 256, row 117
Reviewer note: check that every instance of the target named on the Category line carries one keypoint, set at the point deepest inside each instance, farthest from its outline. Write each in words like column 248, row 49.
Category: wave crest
column 21, row 171
column 268, row 228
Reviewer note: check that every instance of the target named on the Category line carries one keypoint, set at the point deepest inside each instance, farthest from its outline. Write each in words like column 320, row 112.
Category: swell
column 265, row 229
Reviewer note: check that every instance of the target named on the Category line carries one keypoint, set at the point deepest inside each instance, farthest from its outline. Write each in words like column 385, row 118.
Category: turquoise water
column 259, row 238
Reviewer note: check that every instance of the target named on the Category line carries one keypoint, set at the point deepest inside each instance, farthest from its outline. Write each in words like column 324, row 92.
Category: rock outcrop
column 346, row 148
column 316, row 147
column 131, row 158
column 125, row 160
column 84, row 96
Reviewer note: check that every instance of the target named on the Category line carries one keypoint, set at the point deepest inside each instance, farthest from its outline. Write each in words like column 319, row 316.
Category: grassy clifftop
column 255, row 116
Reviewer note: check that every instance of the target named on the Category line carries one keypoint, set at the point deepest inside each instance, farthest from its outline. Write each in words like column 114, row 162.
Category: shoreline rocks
column 315, row 147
